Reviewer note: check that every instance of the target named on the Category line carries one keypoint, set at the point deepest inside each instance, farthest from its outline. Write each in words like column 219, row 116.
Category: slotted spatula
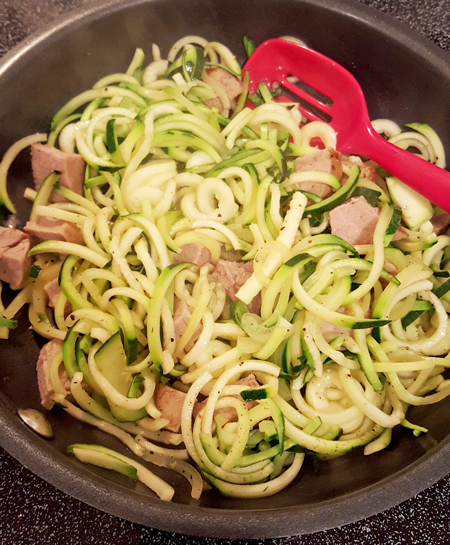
column 275, row 60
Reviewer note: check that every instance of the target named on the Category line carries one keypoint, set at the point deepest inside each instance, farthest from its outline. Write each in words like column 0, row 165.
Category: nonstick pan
column 404, row 78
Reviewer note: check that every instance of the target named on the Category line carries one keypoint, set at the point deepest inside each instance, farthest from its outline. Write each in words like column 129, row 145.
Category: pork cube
column 230, row 412
column 355, row 222
column 14, row 261
column 249, row 380
column 53, row 229
column 367, row 171
column 181, row 316
column 327, row 160
column 169, row 403
column 440, row 223
column 53, row 290
column 232, row 86
column 193, row 253
column 316, row 188
column 331, row 331
column 46, row 356
column 45, row 159
column 214, row 103
column 9, row 238
column 233, row 275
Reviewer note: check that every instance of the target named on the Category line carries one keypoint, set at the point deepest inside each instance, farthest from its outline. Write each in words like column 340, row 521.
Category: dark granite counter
column 35, row 513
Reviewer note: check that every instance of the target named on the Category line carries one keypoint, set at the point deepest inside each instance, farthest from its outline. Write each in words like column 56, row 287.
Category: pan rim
column 37, row 455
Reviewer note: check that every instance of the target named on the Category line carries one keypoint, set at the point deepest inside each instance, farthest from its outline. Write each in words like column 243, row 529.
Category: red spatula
column 275, row 60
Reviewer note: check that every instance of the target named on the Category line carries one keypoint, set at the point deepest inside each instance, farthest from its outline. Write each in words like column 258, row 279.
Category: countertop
column 34, row 512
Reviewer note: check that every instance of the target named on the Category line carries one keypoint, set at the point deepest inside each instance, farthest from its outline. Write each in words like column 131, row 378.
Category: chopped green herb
column 249, row 46
column 34, row 271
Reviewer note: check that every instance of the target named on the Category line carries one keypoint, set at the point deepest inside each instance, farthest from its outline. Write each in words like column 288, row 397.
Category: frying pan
column 403, row 77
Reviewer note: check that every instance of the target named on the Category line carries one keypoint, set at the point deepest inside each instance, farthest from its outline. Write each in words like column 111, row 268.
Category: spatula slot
column 326, row 101
column 307, row 109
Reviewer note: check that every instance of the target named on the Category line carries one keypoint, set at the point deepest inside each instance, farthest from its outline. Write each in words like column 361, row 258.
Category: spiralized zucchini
column 344, row 339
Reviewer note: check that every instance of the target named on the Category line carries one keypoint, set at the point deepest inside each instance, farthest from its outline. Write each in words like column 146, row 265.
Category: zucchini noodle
column 211, row 299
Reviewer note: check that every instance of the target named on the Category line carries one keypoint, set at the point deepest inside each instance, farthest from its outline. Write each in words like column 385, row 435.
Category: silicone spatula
column 275, row 60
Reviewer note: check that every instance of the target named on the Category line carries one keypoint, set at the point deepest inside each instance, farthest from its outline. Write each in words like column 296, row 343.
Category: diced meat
column 230, row 412
column 232, row 86
column 381, row 184
column 193, row 253
column 53, row 229
column 316, row 188
column 328, row 160
column 214, row 103
column 14, row 261
column 249, row 381
column 181, row 317
column 440, row 223
column 390, row 268
column 198, row 407
column 45, row 159
column 355, row 222
column 10, row 237
column 169, row 403
column 331, row 331
column 233, row 275
column 367, row 171
column 46, row 356
column 53, row 290
column 15, row 264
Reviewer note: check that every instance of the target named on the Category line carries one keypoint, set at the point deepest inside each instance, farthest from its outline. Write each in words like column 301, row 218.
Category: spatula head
column 331, row 93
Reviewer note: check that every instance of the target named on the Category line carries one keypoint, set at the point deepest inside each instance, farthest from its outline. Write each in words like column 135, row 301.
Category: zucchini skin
column 69, row 351
column 66, row 284
column 44, row 193
column 192, row 63
column 339, row 197
column 154, row 314
column 416, row 209
column 111, row 361
column 9, row 324
column 102, row 458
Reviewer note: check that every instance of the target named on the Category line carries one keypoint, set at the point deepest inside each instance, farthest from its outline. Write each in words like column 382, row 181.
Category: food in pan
column 213, row 276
